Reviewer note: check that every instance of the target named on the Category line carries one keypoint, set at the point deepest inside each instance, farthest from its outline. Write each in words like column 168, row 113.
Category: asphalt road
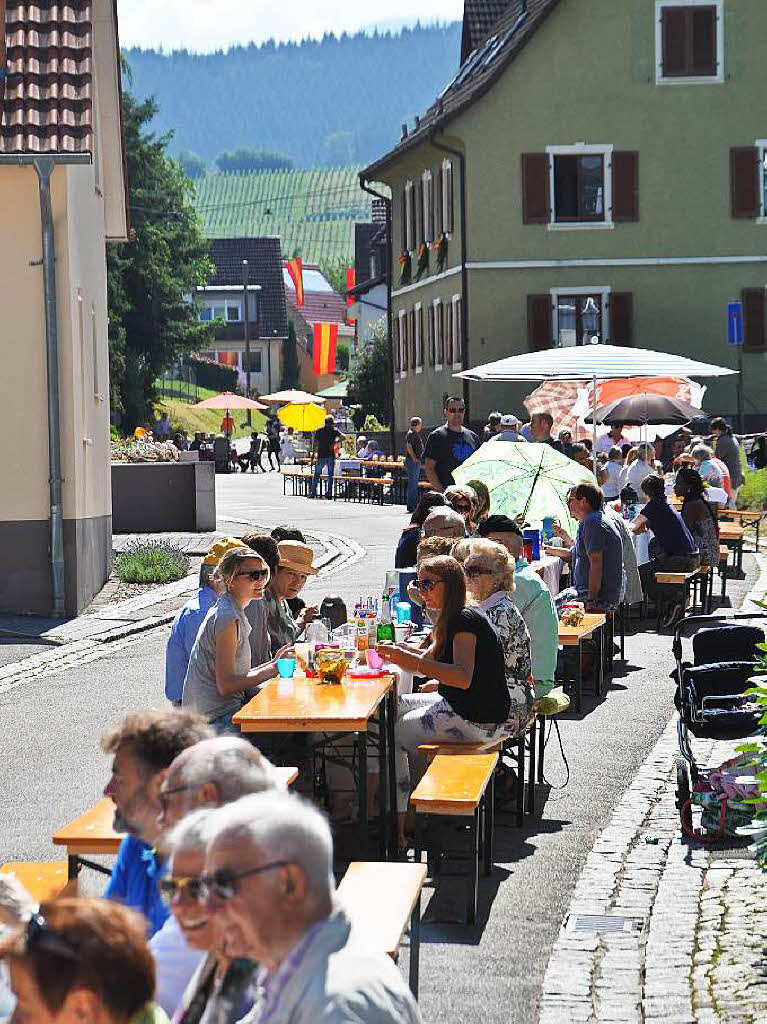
column 52, row 768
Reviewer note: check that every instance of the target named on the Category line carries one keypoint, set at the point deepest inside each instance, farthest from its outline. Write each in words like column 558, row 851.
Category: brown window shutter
column 395, row 342
column 449, row 334
column 744, row 182
column 754, row 320
column 439, row 223
column 440, row 328
column 458, row 340
column 535, row 188
column 702, row 30
column 405, row 341
column 674, row 26
column 626, row 186
column 411, row 335
column 419, row 225
column 404, row 219
column 621, row 318
column 540, row 328
column 431, row 338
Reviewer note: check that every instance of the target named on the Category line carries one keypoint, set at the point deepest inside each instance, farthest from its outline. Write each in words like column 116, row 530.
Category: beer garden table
column 304, row 704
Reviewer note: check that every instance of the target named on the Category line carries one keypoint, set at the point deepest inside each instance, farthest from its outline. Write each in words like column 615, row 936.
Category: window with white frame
column 579, row 316
column 580, row 185
column 418, row 337
column 456, row 316
column 427, row 195
column 447, row 196
column 219, row 310
column 409, row 217
column 439, row 330
column 403, row 360
column 689, row 42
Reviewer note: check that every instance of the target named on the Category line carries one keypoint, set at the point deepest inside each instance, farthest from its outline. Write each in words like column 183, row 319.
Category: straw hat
column 296, row 556
column 218, row 549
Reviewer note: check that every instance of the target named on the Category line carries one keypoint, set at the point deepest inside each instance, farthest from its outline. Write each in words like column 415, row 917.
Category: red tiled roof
column 325, row 307
column 48, row 101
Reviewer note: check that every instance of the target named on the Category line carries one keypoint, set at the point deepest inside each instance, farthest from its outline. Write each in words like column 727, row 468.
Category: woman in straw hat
column 294, row 567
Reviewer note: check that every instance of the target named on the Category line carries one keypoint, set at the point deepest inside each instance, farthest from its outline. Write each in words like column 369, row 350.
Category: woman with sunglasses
column 466, row 698
column 84, row 961
column 220, row 677
column 218, row 979
column 463, row 500
column 489, row 575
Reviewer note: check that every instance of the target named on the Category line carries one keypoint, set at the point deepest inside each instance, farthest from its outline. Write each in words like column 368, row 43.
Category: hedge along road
column 53, row 769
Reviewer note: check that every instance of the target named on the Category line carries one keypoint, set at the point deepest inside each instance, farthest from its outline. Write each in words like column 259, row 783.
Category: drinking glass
column 286, row 667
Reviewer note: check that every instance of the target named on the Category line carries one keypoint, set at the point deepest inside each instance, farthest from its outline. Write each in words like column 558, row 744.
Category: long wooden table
column 732, row 535
column 306, row 705
column 573, row 636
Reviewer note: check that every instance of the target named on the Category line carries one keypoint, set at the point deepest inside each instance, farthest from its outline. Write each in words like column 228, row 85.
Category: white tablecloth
column 549, row 568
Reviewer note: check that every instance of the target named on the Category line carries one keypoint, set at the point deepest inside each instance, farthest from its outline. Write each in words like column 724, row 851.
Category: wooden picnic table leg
column 362, row 746
column 601, row 657
column 383, row 781
column 73, row 866
column 531, row 773
column 473, row 887
column 579, row 679
column 489, row 823
column 541, row 722
column 391, row 718
column 415, row 945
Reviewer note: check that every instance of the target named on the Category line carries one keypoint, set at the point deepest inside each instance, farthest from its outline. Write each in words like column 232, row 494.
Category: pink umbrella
column 228, row 400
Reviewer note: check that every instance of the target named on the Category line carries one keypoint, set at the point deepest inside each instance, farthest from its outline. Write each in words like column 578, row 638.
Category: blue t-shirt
column 134, row 882
column 597, row 533
column 183, row 634
column 668, row 527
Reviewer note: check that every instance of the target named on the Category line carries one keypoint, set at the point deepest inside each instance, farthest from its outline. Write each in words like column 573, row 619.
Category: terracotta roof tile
column 48, row 101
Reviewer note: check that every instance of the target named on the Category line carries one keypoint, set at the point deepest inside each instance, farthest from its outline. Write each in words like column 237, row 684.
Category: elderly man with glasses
column 269, row 882
column 208, row 775
column 448, row 446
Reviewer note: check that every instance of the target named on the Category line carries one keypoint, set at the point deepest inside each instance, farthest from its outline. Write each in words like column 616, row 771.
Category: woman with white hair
column 640, row 463
column 489, row 573
column 217, row 978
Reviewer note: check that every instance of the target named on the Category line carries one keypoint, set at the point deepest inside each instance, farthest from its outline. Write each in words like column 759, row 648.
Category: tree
column 150, row 322
column 193, row 165
column 290, row 368
column 342, row 356
column 369, row 380
column 244, row 160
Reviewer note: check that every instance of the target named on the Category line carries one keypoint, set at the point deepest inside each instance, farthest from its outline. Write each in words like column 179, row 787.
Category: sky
column 205, row 25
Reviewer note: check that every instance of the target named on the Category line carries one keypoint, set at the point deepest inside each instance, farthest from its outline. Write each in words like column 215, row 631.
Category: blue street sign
column 734, row 323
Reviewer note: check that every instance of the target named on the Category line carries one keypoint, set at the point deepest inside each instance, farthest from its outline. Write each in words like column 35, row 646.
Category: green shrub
column 152, row 562
column 753, row 491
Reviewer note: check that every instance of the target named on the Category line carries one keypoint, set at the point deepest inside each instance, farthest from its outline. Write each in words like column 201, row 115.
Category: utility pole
column 247, row 331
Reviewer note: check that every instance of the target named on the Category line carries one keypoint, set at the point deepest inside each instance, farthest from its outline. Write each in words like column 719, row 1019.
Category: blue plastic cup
column 286, row 667
column 402, row 610
column 548, row 527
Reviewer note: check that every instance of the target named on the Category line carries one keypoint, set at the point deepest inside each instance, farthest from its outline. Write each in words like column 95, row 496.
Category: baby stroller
column 710, row 694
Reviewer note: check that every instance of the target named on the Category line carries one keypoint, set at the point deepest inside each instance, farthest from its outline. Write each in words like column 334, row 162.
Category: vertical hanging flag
column 324, row 348
column 296, row 271
column 351, row 280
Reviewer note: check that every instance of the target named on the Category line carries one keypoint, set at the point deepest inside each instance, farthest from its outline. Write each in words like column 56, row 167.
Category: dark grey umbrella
column 646, row 407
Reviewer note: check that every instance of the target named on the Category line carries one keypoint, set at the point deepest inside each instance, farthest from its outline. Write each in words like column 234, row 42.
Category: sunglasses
column 174, row 888
column 461, row 506
column 38, row 935
column 476, row 570
column 456, row 408
column 225, row 883
column 255, row 574
column 426, row 586
column 163, row 795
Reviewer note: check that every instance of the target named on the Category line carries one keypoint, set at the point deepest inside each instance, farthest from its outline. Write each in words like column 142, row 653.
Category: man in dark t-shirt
column 322, row 447
column 448, row 446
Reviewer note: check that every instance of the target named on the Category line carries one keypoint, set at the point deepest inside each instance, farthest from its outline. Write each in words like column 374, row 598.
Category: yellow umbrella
column 302, row 416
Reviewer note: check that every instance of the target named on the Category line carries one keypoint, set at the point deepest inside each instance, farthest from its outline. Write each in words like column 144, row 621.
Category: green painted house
column 595, row 170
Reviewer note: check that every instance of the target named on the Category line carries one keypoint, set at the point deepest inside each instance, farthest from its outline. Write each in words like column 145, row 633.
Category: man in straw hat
column 188, row 620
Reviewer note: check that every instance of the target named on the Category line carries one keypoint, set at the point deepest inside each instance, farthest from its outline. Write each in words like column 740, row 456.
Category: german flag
column 296, row 271
column 324, row 348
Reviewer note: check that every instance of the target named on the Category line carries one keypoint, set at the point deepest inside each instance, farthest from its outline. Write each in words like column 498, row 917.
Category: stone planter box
column 162, row 497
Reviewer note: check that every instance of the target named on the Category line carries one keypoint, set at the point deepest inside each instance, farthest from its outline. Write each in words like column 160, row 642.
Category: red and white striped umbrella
column 558, row 397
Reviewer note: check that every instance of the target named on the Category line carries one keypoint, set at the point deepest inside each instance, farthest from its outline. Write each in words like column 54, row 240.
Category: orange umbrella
column 228, row 400
column 671, row 387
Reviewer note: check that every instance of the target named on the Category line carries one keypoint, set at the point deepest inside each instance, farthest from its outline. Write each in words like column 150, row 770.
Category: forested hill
column 333, row 102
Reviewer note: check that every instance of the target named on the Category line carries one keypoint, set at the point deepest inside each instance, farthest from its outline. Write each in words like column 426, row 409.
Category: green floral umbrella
column 529, row 480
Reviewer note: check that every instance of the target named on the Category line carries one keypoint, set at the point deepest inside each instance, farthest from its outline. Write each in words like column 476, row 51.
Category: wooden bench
column 460, row 787
column 381, row 898
column 677, row 579
column 746, row 517
column 43, row 879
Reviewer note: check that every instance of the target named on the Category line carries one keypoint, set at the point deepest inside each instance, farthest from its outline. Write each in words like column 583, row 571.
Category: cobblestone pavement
column 692, row 946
